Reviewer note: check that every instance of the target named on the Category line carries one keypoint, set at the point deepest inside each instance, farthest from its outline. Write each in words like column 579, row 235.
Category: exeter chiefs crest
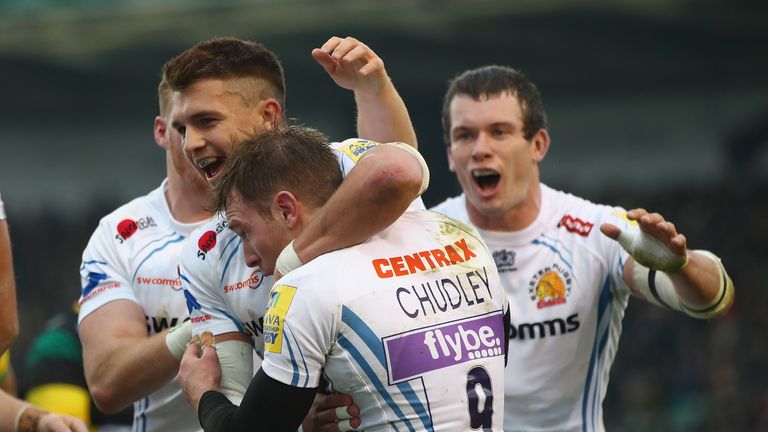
column 550, row 286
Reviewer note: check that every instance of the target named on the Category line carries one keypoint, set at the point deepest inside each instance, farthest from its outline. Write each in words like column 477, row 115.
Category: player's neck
column 514, row 219
column 188, row 202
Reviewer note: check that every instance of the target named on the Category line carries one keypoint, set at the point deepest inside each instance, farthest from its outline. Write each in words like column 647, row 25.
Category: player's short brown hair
column 227, row 58
column 489, row 81
column 164, row 95
column 292, row 158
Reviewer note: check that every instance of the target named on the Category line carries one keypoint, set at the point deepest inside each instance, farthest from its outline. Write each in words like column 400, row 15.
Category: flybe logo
column 415, row 353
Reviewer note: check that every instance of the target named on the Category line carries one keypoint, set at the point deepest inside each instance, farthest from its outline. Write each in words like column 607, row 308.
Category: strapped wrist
column 177, row 339
column 28, row 418
column 288, row 260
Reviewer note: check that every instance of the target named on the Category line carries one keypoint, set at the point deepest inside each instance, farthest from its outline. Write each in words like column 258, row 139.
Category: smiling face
column 212, row 115
column 494, row 163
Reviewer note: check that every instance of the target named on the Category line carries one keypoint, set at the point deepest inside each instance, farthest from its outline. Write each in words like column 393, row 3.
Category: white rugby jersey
column 409, row 324
column 563, row 279
column 133, row 255
column 224, row 294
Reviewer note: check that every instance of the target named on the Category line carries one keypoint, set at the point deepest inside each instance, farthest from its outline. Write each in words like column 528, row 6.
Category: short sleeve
column 350, row 151
column 103, row 274
column 300, row 328
column 202, row 288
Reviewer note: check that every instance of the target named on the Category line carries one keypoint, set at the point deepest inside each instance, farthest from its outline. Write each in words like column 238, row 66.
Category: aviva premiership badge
column 357, row 148
column 280, row 299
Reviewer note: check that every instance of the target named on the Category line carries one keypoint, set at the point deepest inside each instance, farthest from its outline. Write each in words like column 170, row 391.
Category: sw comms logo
column 254, row 281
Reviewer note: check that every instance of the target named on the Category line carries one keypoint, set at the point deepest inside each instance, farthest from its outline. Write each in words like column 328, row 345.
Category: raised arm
column 9, row 322
column 664, row 271
column 381, row 113
column 373, row 195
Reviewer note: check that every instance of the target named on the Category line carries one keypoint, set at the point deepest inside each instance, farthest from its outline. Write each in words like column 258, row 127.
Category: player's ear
column 271, row 112
column 287, row 208
column 160, row 130
column 540, row 145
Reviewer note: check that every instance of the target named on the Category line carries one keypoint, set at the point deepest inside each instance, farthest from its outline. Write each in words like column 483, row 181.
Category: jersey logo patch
column 505, row 260
column 253, row 282
column 355, row 150
column 205, row 243
column 550, row 286
column 128, row 227
column 576, row 225
column 412, row 354
column 280, row 299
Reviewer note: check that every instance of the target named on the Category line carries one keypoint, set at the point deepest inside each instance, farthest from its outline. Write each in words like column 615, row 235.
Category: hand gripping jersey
column 224, row 294
column 567, row 297
column 409, row 323
column 133, row 255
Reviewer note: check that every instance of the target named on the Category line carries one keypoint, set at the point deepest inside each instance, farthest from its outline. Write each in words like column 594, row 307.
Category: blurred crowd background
column 661, row 104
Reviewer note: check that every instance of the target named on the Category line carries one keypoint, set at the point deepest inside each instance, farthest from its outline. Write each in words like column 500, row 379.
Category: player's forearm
column 9, row 323
column 128, row 369
column 9, row 407
column 700, row 283
column 375, row 193
column 383, row 117
column 264, row 397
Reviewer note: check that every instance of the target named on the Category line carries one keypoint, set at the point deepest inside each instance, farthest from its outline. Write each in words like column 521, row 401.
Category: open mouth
column 210, row 166
column 487, row 180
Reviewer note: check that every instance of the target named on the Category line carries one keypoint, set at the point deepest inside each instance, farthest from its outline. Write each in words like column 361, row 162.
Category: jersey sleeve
column 202, row 289
column 104, row 276
column 349, row 153
column 300, row 328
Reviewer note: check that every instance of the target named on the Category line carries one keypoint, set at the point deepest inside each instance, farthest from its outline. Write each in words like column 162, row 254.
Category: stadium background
column 655, row 103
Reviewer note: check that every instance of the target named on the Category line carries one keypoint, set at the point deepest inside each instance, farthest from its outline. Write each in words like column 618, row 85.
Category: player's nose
column 482, row 147
column 252, row 259
column 192, row 140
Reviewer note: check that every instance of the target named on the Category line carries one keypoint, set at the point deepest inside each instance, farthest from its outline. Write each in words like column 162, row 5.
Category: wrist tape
column 177, row 339
column 28, row 418
column 659, row 288
column 650, row 251
column 287, row 260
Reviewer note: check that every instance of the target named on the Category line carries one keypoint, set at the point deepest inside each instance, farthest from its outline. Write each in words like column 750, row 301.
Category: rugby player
column 227, row 88
column 411, row 323
column 568, row 284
